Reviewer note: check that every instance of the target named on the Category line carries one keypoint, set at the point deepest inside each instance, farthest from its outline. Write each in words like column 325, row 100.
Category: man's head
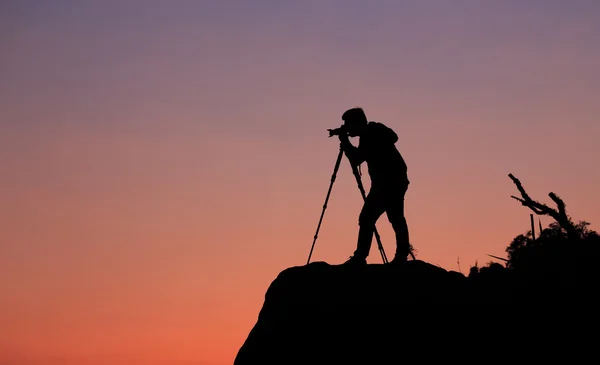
column 355, row 121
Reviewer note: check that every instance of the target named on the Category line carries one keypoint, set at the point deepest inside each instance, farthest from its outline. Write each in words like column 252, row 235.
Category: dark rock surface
column 379, row 314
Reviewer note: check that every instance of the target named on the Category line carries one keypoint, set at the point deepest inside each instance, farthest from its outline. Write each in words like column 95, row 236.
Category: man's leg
column 372, row 209
column 395, row 214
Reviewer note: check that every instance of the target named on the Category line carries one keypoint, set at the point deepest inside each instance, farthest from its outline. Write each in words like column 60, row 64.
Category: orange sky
column 161, row 164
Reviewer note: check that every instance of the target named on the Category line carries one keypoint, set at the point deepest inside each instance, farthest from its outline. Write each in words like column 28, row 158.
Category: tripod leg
column 335, row 170
column 381, row 250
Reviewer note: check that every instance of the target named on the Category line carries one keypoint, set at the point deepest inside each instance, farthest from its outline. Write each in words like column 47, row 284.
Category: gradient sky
column 163, row 161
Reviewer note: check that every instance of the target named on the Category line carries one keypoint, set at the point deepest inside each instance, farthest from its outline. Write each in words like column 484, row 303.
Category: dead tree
column 560, row 214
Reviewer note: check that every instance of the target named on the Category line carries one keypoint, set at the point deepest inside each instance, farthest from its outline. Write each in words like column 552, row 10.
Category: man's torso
column 385, row 163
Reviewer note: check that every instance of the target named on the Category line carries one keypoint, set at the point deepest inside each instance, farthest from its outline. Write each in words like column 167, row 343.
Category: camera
column 337, row 131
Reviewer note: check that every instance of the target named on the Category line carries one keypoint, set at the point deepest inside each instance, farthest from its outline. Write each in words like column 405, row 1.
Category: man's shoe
column 357, row 261
column 399, row 260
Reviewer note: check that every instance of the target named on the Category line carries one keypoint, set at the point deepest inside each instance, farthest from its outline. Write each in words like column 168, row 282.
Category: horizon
column 163, row 163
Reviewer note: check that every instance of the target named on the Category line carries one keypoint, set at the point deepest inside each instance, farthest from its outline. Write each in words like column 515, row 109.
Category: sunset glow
column 163, row 161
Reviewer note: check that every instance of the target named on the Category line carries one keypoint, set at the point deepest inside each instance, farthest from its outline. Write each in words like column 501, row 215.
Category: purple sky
column 163, row 161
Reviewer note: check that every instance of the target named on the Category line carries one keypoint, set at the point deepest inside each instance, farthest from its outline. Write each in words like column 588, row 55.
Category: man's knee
column 395, row 213
column 367, row 219
column 371, row 211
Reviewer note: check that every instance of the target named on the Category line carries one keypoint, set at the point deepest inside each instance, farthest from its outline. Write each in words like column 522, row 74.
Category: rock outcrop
column 379, row 314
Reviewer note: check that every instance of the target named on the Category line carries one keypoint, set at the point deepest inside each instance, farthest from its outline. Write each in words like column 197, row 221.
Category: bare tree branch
column 560, row 214
column 531, row 205
column 499, row 258
column 520, row 187
column 559, row 202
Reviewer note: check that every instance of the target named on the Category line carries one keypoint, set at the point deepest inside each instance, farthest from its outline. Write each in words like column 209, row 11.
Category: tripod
column 362, row 191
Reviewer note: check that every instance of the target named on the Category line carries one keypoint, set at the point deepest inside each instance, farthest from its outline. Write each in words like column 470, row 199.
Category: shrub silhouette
column 553, row 248
column 562, row 253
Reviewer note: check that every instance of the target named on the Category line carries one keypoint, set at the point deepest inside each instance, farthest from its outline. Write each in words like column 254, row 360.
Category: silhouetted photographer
column 389, row 180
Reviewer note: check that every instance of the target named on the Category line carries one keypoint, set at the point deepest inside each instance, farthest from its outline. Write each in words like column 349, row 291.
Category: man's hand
column 353, row 153
column 345, row 144
column 344, row 141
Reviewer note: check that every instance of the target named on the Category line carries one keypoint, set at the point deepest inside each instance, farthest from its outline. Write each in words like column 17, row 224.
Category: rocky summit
column 381, row 314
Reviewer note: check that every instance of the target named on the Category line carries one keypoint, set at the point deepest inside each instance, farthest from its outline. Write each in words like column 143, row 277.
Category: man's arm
column 385, row 134
column 354, row 154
